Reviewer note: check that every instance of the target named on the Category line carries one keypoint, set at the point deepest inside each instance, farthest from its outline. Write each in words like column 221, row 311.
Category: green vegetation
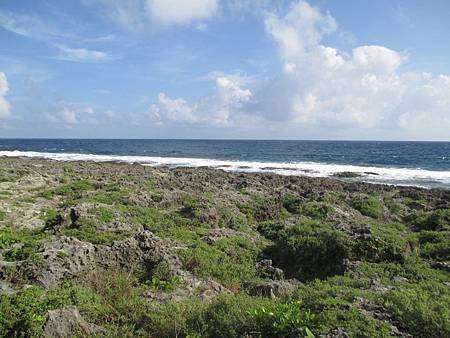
column 88, row 233
column 230, row 261
column 355, row 260
column 370, row 206
column 385, row 244
column 284, row 320
column 301, row 248
column 22, row 314
column 434, row 220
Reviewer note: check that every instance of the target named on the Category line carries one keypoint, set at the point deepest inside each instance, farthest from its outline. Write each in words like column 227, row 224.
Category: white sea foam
column 405, row 176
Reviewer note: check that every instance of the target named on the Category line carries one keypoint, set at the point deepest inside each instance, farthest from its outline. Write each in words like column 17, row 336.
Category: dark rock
column 444, row 266
column 347, row 174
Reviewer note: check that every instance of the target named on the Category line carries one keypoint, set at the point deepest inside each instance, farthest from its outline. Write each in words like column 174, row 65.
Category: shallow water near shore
column 425, row 164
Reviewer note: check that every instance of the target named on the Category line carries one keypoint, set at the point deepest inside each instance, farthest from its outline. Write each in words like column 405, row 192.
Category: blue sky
column 324, row 69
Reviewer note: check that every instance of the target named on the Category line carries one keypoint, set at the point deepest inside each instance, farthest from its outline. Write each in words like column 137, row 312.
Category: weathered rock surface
column 69, row 258
column 67, row 323
column 273, row 289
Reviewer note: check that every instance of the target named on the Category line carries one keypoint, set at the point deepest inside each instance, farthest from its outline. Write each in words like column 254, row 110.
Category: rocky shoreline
column 113, row 249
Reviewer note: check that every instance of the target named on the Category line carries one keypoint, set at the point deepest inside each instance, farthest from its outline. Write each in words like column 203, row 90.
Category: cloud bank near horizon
column 322, row 86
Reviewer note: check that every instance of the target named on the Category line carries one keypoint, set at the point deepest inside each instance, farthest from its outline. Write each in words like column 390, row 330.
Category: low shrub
column 22, row 314
column 370, row 206
column 316, row 210
column 230, row 261
column 384, row 244
column 435, row 245
column 304, row 247
column 434, row 220
column 422, row 308
column 284, row 320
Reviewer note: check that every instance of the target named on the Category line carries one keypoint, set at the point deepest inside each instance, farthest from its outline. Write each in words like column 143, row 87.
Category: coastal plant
column 384, row 244
column 50, row 217
column 422, row 307
column 292, row 203
column 230, row 261
column 284, row 320
column 370, row 206
column 316, row 210
column 160, row 278
column 104, row 215
column 19, row 244
column 434, row 245
column 22, row 314
column 434, row 220
column 303, row 247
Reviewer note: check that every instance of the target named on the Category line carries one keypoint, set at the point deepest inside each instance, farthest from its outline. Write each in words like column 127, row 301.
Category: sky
column 218, row 69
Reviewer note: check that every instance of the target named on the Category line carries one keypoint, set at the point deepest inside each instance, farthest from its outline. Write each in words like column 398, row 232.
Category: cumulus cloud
column 70, row 114
column 136, row 14
column 322, row 86
column 216, row 108
column 4, row 104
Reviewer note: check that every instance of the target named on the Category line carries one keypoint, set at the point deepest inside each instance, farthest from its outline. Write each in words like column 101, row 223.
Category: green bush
column 302, row 248
column 435, row 245
column 369, row 206
column 434, row 220
column 226, row 316
column 160, row 278
column 270, row 229
column 22, row 314
column 284, row 320
column 88, row 233
column 20, row 245
column 50, row 217
column 316, row 210
column 422, row 308
column 103, row 214
column 385, row 244
column 292, row 203
column 230, row 261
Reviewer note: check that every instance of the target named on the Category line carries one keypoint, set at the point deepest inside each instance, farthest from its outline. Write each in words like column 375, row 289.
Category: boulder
column 273, row 289
column 66, row 323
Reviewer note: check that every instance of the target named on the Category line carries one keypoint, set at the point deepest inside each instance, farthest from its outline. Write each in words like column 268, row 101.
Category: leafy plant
column 284, row 320
column 369, row 206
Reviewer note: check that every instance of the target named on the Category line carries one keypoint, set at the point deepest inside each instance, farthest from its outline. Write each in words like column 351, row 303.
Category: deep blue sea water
column 411, row 163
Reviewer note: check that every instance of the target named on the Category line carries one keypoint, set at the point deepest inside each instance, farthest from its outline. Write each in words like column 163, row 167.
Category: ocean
column 425, row 164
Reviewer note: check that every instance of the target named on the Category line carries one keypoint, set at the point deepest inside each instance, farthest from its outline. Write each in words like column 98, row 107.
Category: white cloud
column 4, row 104
column 81, row 54
column 216, row 108
column 109, row 114
column 33, row 27
column 70, row 114
column 136, row 14
column 173, row 12
column 320, row 85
